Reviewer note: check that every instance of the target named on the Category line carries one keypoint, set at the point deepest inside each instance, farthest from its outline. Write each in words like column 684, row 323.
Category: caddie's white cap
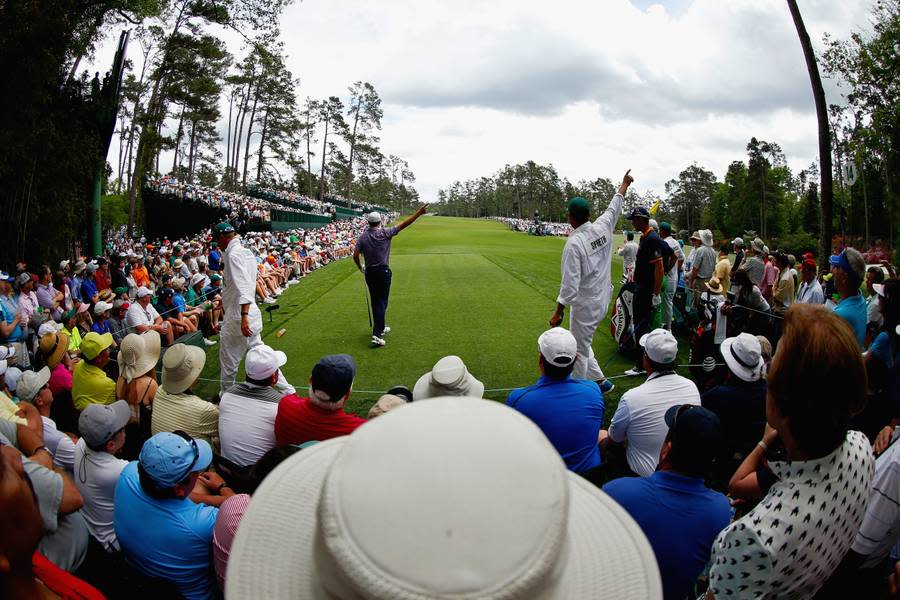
column 558, row 347
column 143, row 292
column 362, row 516
column 263, row 361
column 374, row 217
column 660, row 345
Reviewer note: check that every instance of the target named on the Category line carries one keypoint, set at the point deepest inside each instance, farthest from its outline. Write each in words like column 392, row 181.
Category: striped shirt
column 880, row 528
column 230, row 513
column 186, row 412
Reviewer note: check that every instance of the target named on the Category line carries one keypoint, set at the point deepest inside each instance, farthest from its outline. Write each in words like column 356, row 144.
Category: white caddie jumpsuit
column 239, row 287
column 586, row 286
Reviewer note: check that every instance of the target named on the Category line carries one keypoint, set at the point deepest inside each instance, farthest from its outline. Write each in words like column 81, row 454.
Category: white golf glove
column 657, row 300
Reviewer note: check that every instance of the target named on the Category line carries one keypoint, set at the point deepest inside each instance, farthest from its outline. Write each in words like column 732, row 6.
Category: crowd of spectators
column 535, row 226
column 777, row 478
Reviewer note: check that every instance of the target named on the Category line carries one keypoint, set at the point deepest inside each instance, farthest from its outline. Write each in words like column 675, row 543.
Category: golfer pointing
column 242, row 321
column 375, row 245
column 586, row 284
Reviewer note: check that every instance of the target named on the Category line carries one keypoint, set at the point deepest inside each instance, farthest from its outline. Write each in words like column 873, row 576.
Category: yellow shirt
column 90, row 385
column 74, row 338
column 723, row 272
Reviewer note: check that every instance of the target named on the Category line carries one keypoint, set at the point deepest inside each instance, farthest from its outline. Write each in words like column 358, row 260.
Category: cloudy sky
column 592, row 86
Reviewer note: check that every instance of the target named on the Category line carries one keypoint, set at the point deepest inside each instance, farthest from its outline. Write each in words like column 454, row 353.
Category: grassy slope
column 460, row 286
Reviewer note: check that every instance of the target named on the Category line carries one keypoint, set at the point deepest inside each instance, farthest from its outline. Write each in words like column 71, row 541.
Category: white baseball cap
column 143, row 292
column 48, row 327
column 362, row 516
column 558, row 347
column 101, row 307
column 660, row 345
column 374, row 217
column 263, row 361
column 743, row 355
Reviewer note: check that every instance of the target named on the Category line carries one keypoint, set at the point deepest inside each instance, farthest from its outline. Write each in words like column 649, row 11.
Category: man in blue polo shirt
column 162, row 532
column 676, row 511
column 849, row 270
column 569, row 411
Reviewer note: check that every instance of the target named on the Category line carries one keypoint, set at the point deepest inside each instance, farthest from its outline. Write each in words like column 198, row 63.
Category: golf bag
column 622, row 320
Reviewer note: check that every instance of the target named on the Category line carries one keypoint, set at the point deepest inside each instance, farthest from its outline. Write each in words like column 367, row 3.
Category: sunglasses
column 186, row 437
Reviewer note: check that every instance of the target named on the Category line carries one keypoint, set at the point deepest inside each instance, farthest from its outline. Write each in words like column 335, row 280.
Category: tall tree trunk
column 240, row 135
column 249, row 133
column 322, row 176
column 826, row 176
column 178, row 140
column 262, row 143
column 309, row 186
column 352, row 150
column 228, row 135
column 121, row 161
column 192, row 152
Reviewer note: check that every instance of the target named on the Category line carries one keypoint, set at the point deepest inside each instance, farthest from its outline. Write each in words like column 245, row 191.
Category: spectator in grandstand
column 448, row 377
column 739, row 402
column 375, row 246
column 639, row 417
column 214, row 258
column 141, row 317
column 673, row 274
column 138, row 272
column 569, row 411
column 676, row 511
column 628, row 252
column 321, row 416
column 653, row 255
column 738, row 245
column 810, row 291
column 117, row 277
column 180, row 324
column 849, row 270
column 97, row 469
column 33, row 388
column 874, row 320
column 162, row 532
column 703, row 265
column 242, row 321
column 794, row 539
column 783, row 292
column 247, row 410
column 49, row 298
column 536, row 543
column 90, row 384
column 61, row 285
column 27, row 572
column 89, row 290
column 175, row 406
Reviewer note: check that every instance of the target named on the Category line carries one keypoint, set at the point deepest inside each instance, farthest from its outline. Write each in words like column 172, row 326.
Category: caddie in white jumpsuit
column 242, row 321
column 586, row 284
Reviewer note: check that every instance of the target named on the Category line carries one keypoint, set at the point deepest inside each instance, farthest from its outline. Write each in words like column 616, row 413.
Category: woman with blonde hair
column 137, row 385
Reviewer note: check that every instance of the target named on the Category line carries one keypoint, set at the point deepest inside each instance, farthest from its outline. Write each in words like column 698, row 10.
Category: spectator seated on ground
column 385, row 404
column 27, row 573
column 34, row 388
column 180, row 324
column 569, row 411
column 792, row 541
column 639, row 417
column 321, row 416
column 849, row 270
column 53, row 349
column 739, row 402
column 97, row 469
column 117, row 320
column 448, row 377
column 141, row 316
column 90, row 384
column 175, row 406
column 676, row 511
column 163, row 517
column 101, row 323
column 541, row 544
column 247, row 410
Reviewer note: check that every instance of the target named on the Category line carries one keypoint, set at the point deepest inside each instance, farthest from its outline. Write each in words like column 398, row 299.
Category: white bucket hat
column 706, row 237
column 743, row 355
column 362, row 517
column 138, row 354
column 448, row 377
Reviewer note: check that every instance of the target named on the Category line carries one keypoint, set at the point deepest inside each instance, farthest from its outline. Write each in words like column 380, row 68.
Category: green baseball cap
column 665, row 226
column 578, row 203
column 224, row 227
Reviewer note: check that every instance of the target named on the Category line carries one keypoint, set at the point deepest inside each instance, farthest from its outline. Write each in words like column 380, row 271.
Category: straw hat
column 715, row 286
column 361, row 516
column 53, row 346
column 138, row 354
column 182, row 365
column 449, row 377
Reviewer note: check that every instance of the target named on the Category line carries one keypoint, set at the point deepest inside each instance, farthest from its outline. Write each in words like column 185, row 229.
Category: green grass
column 460, row 286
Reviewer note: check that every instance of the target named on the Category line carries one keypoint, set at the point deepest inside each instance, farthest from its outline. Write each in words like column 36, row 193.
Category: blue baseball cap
column 842, row 262
column 4, row 276
column 168, row 458
column 638, row 212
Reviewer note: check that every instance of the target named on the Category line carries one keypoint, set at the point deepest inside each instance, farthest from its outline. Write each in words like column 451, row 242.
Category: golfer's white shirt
column 640, row 417
column 587, row 257
column 239, row 267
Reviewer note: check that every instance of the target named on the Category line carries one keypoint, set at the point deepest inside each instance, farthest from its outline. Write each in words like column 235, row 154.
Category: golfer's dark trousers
column 642, row 305
column 379, row 281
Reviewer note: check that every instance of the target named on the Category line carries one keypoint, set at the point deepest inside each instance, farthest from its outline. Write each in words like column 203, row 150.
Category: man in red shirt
column 321, row 416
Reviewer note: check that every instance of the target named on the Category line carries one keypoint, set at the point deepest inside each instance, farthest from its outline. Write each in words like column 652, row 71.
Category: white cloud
column 593, row 87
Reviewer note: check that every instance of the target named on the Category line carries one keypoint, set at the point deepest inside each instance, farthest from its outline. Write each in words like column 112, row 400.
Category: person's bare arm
column 210, row 489
column 744, row 484
column 7, row 328
column 356, row 259
column 412, row 218
column 71, row 500
column 30, row 413
column 657, row 276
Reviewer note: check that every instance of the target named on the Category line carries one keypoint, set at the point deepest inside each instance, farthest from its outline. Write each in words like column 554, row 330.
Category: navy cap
column 695, row 433
column 638, row 211
column 333, row 375
column 166, row 293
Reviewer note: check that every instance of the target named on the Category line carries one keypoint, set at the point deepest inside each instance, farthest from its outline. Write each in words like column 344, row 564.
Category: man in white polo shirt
column 97, row 469
column 640, row 417
column 247, row 410
column 141, row 316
